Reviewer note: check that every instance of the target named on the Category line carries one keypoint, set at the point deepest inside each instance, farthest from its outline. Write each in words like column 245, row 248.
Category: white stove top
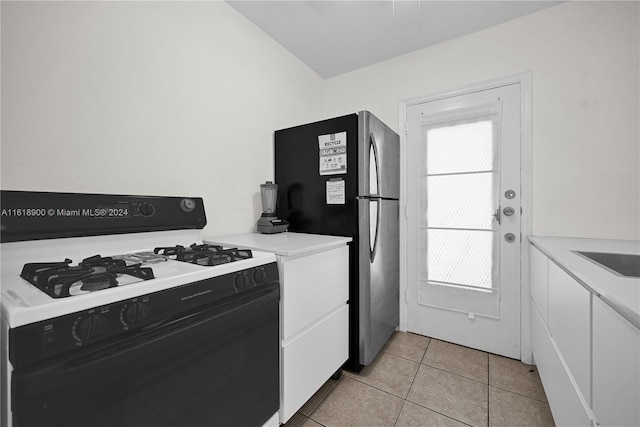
column 24, row 303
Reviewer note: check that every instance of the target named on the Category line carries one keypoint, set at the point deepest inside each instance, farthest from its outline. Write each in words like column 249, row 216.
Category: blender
column 269, row 223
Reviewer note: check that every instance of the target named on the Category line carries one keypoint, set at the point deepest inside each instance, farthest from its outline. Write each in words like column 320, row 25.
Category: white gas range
column 110, row 292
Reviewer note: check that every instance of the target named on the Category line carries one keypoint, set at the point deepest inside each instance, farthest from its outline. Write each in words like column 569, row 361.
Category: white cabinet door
column 539, row 273
column 616, row 368
column 570, row 325
column 312, row 286
column 310, row 359
column 566, row 405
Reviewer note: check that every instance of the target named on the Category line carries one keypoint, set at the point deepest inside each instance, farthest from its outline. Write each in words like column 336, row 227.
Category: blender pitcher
column 269, row 222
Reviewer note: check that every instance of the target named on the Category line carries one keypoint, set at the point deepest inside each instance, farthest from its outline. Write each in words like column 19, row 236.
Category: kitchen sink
column 626, row 265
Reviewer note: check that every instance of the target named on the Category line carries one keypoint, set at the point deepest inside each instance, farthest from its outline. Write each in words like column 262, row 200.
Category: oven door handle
column 174, row 342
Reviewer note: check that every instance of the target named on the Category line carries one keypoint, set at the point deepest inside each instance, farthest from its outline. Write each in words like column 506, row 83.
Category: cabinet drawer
column 539, row 278
column 566, row 405
column 616, row 368
column 570, row 325
column 310, row 359
column 311, row 287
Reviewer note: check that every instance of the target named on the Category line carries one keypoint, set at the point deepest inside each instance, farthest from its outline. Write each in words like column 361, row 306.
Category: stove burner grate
column 61, row 280
column 206, row 255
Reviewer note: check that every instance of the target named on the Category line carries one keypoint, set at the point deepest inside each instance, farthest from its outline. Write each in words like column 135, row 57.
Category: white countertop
column 619, row 292
column 284, row 244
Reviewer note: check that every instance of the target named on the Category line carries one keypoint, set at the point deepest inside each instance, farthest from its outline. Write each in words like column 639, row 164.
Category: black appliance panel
column 101, row 326
column 302, row 191
column 33, row 215
column 214, row 366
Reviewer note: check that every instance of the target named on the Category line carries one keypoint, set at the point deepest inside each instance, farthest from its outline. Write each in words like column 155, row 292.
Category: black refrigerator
column 341, row 177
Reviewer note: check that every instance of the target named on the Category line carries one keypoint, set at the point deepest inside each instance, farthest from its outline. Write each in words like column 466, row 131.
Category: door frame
column 525, row 81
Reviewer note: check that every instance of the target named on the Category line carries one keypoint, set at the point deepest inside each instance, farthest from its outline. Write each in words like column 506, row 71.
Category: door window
column 457, row 231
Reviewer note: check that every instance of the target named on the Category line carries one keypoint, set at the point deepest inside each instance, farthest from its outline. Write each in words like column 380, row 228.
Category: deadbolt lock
column 508, row 211
column 510, row 237
column 509, row 194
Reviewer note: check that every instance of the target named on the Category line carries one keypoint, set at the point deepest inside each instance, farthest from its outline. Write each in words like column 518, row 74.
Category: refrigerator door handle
column 374, row 172
column 374, row 226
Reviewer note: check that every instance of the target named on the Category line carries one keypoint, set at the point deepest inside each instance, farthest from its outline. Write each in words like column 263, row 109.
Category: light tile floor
column 420, row 381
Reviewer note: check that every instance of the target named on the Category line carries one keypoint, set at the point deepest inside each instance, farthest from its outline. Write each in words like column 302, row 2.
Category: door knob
column 508, row 211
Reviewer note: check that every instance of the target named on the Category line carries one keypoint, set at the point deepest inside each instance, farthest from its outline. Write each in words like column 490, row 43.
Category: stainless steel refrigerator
column 342, row 177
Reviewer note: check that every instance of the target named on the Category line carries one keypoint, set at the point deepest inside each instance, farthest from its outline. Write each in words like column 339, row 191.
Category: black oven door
column 218, row 366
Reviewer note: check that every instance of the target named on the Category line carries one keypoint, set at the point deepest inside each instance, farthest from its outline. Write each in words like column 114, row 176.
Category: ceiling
column 334, row 37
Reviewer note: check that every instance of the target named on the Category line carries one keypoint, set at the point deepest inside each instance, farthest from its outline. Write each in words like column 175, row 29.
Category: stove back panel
column 29, row 215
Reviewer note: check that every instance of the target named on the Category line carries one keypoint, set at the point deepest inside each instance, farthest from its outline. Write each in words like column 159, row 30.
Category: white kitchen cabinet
column 570, row 325
column 616, row 368
column 588, row 348
column 314, row 310
column 315, row 323
column 567, row 406
column 539, row 268
column 561, row 340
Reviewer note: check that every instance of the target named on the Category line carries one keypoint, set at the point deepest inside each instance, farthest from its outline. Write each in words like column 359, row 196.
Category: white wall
column 585, row 61
column 150, row 98
column 165, row 98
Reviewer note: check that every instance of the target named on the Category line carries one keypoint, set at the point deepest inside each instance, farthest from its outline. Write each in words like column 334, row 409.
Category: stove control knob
column 135, row 313
column 146, row 209
column 92, row 326
column 241, row 281
column 187, row 205
column 259, row 276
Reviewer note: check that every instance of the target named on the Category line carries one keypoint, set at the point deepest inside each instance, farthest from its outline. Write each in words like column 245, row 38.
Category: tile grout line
column 439, row 413
column 404, row 402
column 323, row 399
column 450, row 373
column 439, row 369
column 519, row 394
column 414, row 378
column 385, row 391
column 403, row 406
column 511, row 391
column 457, row 375
column 488, row 390
column 374, row 387
column 435, row 367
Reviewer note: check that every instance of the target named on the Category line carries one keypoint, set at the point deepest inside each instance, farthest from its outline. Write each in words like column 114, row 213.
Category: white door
column 463, row 219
